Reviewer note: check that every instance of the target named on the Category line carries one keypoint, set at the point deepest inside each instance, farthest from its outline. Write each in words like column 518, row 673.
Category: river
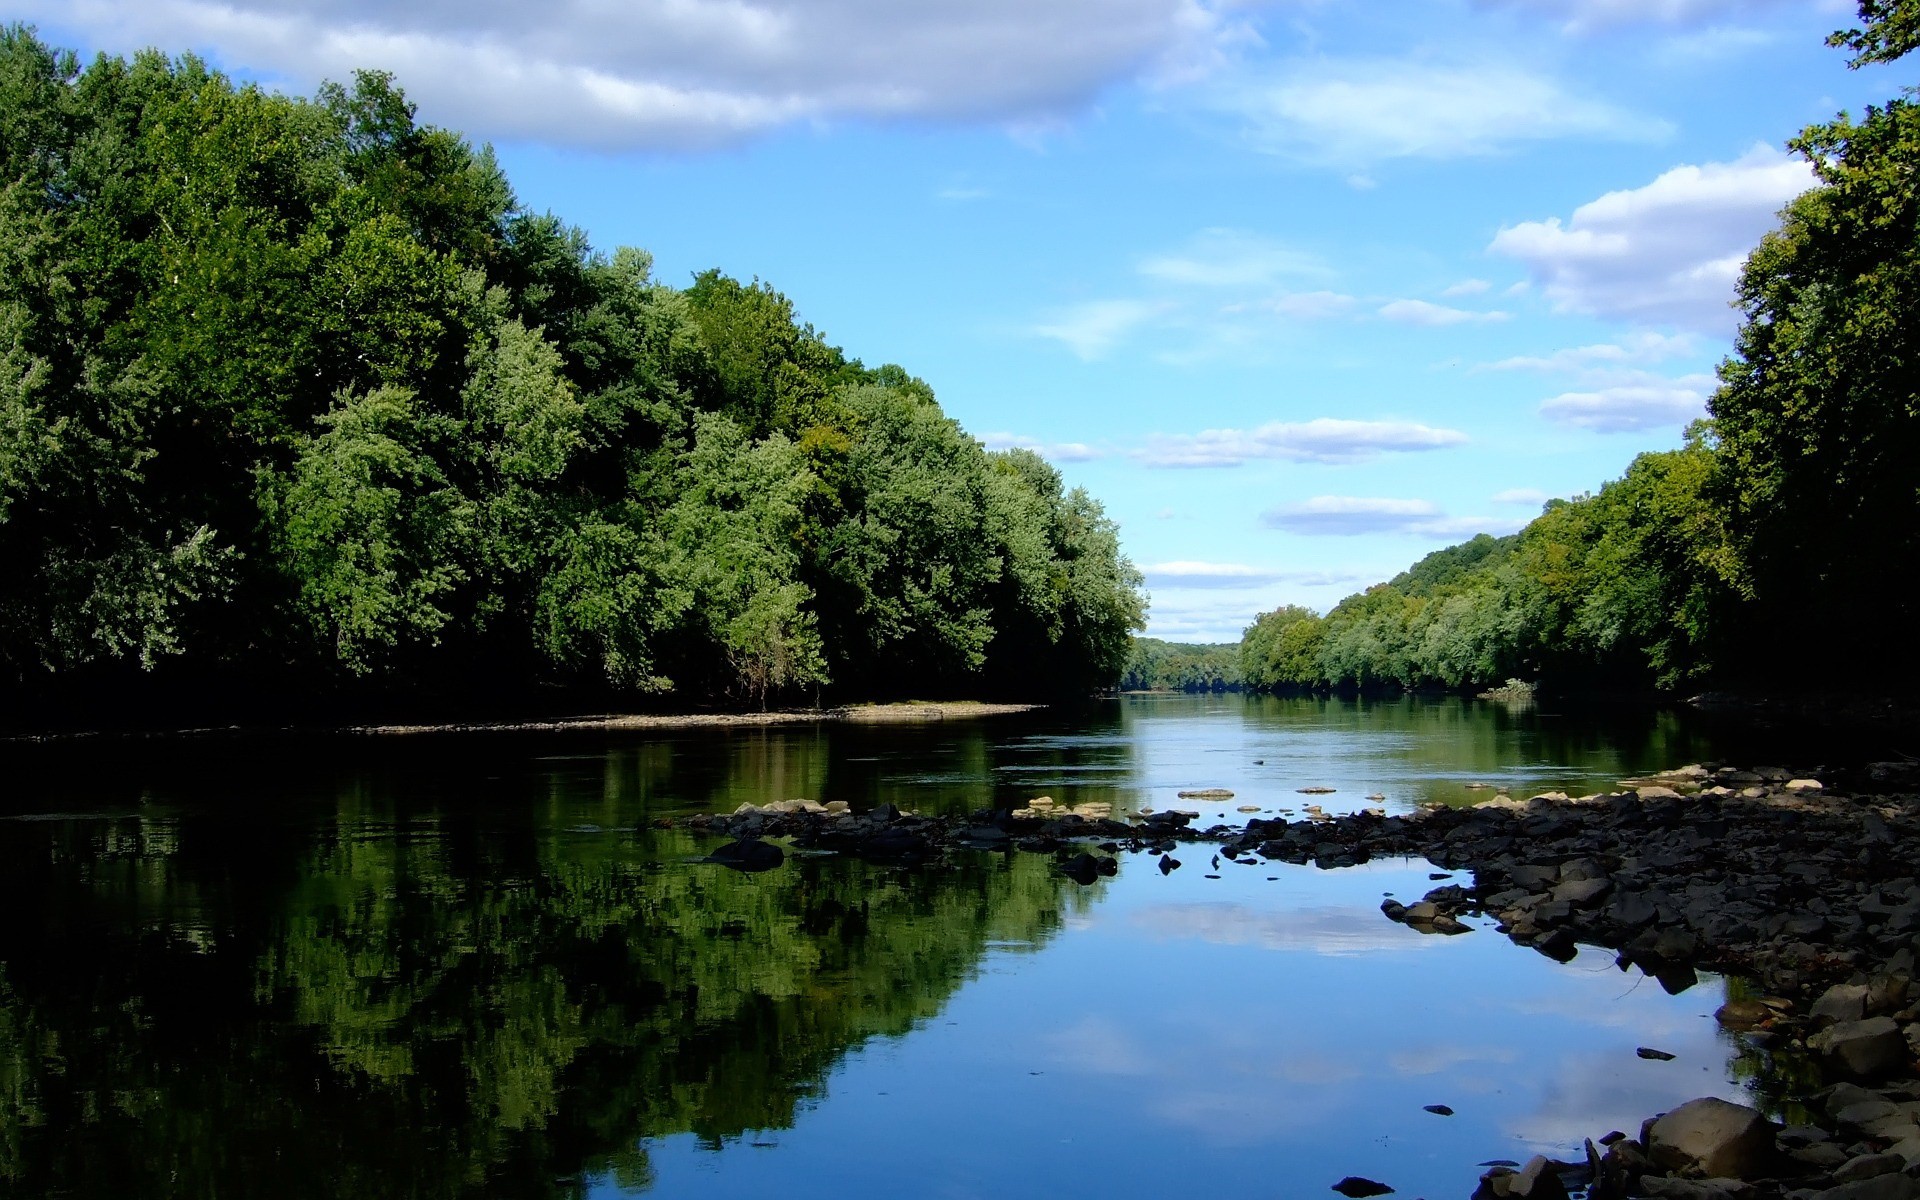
column 471, row 965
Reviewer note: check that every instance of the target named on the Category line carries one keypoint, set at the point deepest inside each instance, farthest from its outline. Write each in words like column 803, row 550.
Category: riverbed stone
column 1866, row 1166
column 1869, row 1049
column 1712, row 1137
column 1880, row 1187
column 1840, row 1003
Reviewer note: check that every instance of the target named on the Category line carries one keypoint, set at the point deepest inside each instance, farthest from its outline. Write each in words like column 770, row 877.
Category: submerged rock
column 1358, row 1186
column 749, row 854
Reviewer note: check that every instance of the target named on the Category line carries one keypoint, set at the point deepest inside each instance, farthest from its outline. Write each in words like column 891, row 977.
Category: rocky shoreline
column 1803, row 883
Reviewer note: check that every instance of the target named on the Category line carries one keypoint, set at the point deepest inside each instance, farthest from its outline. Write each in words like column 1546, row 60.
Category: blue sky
column 1301, row 290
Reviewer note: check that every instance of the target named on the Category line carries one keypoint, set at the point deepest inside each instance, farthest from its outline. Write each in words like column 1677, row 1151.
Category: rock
column 1655, row 1055
column 1207, row 794
column 1657, row 793
column 1084, row 868
column 1880, row 1187
column 1866, row 1166
column 1669, row 1188
column 1316, row 791
column 1355, row 1186
column 1439, row 1110
column 1841, row 1002
column 1869, row 1049
column 1803, row 785
column 1712, row 1137
column 749, row 854
column 1582, row 891
column 1538, row 1180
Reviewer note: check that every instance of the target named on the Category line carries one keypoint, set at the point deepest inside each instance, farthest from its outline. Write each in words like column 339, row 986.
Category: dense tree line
column 294, row 392
column 1157, row 665
column 1779, row 539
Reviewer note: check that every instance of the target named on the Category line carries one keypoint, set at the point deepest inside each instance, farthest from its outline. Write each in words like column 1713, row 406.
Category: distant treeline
column 1779, row 546
column 295, row 395
column 1156, row 665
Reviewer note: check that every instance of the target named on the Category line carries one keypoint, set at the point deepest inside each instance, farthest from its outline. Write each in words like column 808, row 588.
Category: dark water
column 471, row 966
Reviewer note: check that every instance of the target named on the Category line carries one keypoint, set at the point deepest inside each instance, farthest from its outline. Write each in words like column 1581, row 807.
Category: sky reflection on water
column 1268, row 1037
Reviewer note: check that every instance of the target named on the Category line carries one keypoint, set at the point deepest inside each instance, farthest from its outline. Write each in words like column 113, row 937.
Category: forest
column 1157, row 666
column 1775, row 548
column 297, row 399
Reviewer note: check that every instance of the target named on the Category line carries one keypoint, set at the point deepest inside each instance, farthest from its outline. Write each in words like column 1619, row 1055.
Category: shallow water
column 470, row 966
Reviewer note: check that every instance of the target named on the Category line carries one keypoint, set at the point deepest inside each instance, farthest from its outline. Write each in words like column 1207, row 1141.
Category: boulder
column 1712, row 1137
column 1869, row 1049
column 1840, row 1003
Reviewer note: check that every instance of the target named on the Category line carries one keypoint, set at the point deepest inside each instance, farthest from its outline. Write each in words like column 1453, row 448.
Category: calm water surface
column 471, row 966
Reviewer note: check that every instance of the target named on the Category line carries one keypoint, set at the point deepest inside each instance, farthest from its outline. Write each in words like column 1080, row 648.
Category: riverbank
column 906, row 712
column 1806, row 885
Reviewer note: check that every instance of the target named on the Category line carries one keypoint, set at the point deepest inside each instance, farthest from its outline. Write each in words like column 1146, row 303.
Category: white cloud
column 1230, row 258
column 1632, row 406
column 1238, row 575
column 1583, row 16
column 1054, row 451
column 1466, row 287
column 1357, row 111
column 1354, row 516
column 1324, row 440
column 1638, row 348
column 1524, row 497
column 1424, row 312
column 691, row 73
column 1666, row 253
column 1093, row 328
column 1309, row 306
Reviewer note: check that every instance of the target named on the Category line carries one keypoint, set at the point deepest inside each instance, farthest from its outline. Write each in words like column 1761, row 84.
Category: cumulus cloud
column 1632, row 406
column 691, row 73
column 1425, row 312
column 1356, row 111
column 1355, row 516
column 1323, row 440
column 1466, row 287
column 1666, row 253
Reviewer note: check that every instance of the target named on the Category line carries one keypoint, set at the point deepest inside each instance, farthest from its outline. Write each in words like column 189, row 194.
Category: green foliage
column 293, row 391
column 1889, row 29
column 1156, row 665
column 1818, row 413
column 1631, row 585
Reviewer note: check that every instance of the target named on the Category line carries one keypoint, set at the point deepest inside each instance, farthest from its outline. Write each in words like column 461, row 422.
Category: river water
column 471, row 965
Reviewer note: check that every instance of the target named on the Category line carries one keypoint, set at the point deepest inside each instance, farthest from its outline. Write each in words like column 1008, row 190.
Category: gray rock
column 1869, row 1049
column 1712, row 1137
column 1669, row 1188
column 1867, row 1166
column 1880, row 1187
column 1582, row 891
column 1841, row 1002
